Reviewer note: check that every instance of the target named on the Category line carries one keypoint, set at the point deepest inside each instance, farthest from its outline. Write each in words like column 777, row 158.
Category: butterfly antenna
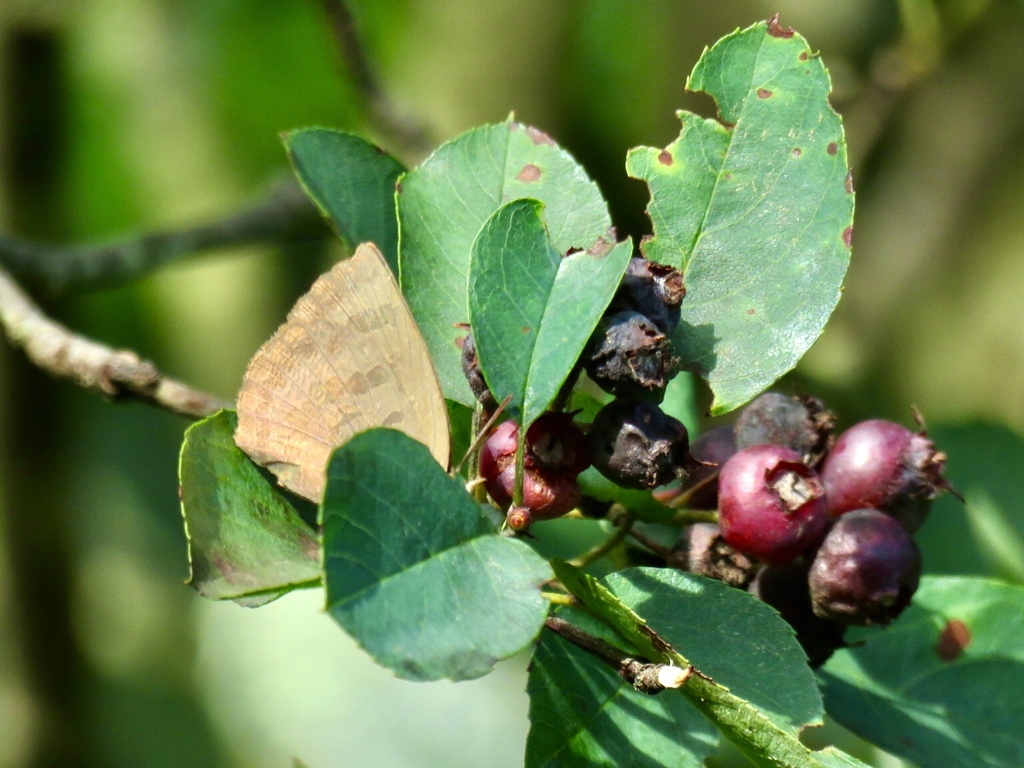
column 483, row 433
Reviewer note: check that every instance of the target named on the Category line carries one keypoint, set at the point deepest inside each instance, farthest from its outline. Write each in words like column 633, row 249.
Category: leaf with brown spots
column 443, row 204
column 348, row 358
column 752, row 207
column 942, row 685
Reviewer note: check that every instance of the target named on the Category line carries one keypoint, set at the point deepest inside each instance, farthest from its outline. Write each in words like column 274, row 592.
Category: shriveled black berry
column 866, row 570
column 702, row 550
column 785, row 589
column 882, row 465
column 471, row 370
column 654, row 290
column 802, row 424
column 636, row 445
column 629, row 356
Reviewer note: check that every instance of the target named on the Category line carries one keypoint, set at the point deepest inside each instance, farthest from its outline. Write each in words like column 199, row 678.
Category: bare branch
column 117, row 373
column 282, row 214
column 644, row 676
column 401, row 126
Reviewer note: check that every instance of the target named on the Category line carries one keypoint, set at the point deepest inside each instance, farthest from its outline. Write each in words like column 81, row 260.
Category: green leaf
column 941, row 687
column 985, row 536
column 757, row 211
column 533, row 310
column 443, row 203
column 414, row 569
column 735, row 640
column 352, row 182
column 244, row 539
column 582, row 713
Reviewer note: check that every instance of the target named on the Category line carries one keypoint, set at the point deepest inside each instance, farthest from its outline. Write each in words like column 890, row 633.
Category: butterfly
column 349, row 357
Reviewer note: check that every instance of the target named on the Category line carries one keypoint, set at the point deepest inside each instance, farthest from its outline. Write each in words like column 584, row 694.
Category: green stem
column 625, row 524
column 558, row 598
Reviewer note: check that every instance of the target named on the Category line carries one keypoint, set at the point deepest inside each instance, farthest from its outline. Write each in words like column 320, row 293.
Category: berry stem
column 619, row 517
column 684, row 498
column 690, row 516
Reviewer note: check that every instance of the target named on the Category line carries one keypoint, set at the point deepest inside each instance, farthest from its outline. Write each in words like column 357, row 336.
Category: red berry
column 771, row 505
column 883, row 465
column 556, row 452
column 866, row 570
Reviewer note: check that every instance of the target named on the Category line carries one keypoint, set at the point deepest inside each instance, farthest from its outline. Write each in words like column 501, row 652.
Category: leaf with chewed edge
column 443, row 203
column 755, row 208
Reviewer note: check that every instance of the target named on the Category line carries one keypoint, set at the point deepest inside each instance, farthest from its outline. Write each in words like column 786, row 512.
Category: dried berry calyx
column 882, row 465
column 771, row 505
column 636, row 445
column 866, row 570
column 473, row 374
column 800, row 423
column 654, row 290
column 702, row 550
column 629, row 355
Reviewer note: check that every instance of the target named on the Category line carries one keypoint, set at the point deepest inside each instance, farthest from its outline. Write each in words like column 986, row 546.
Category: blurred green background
column 120, row 116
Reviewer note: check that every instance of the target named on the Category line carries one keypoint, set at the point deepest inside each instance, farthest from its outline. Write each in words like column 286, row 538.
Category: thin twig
column 624, row 521
column 284, row 213
column 644, row 676
column 400, row 126
column 117, row 373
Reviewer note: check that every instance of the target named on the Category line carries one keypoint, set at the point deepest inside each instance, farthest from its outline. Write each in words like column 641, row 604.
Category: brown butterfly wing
column 349, row 357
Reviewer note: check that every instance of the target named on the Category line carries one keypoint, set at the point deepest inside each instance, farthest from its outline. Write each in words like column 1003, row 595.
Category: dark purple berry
column 654, row 290
column 702, row 550
column 770, row 504
column 883, row 465
column 471, row 369
column 866, row 570
column 636, row 445
column 802, row 424
column 785, row 589
column 628, row 355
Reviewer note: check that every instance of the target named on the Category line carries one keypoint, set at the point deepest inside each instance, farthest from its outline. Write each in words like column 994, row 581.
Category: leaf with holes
column 246, row 542
column 533, row 310
column 444, row 202
column 756, row 208
column 352, row 182
column 414, row 569
column 941, row 686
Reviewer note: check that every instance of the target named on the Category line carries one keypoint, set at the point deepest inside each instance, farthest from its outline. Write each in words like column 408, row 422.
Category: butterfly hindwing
column 348, row 358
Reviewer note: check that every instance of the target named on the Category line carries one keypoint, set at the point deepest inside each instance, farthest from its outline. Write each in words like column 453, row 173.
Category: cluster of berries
column 819, row 528
column 631, row 440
